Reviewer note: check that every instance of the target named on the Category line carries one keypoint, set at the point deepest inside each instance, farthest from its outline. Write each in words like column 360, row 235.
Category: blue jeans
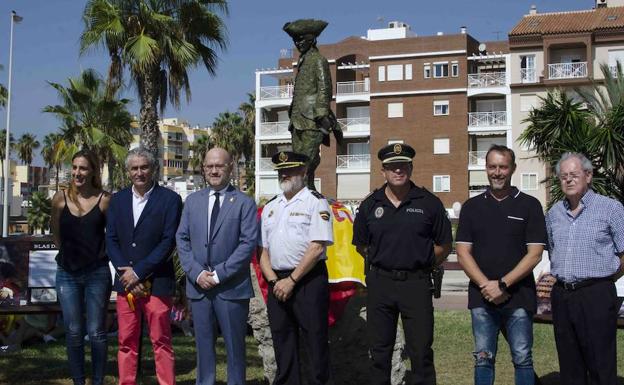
column 518, row 325
column 79, row 291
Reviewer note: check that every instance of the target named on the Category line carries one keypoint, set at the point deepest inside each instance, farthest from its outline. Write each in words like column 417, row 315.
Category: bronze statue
column 311, row 118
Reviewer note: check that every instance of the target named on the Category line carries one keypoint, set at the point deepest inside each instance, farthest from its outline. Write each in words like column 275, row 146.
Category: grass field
column 46, row 364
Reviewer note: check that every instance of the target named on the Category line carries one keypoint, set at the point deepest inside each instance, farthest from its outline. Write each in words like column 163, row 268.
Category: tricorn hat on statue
column 288, row 159
column 304, row 27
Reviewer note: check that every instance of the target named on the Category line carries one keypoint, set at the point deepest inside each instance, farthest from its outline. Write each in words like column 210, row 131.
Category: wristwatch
column 273, row 282
column 502, row 285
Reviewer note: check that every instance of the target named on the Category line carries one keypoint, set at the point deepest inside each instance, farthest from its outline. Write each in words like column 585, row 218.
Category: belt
column 572, row 286
column 401, row 275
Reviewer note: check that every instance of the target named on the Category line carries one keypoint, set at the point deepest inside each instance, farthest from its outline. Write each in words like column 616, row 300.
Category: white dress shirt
column 211, row 202
column 139, row 202
column 288, row 227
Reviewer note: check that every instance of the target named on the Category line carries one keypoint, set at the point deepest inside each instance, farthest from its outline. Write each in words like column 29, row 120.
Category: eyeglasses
column 217, row 167
column 572, row 176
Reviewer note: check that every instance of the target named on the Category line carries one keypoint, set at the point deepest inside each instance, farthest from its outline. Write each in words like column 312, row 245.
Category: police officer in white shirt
column 296, row 229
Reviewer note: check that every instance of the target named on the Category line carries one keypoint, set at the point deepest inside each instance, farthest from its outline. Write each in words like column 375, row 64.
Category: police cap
column 288, row 159
column 396, row 152
column 304, row 27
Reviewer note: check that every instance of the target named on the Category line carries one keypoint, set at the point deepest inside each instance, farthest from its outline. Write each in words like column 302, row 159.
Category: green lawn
column 46, row 364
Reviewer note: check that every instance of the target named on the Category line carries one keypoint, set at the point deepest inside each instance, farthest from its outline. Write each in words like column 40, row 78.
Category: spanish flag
column 344, row 263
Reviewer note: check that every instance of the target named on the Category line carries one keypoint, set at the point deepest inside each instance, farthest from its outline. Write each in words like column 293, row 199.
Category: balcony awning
column 488, row 133
column 478, row 178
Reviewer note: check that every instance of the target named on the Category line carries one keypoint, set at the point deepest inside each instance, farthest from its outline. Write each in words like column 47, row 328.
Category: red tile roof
column 570, row 22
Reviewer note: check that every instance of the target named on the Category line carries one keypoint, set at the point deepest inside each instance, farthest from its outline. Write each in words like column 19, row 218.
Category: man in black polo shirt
column 403, row 231
column 500, row 239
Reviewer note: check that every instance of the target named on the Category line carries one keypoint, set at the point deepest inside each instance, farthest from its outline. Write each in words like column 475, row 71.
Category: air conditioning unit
column 601, row 3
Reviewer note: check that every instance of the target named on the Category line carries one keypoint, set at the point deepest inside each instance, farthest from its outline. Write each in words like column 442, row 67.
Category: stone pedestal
column 347, row 343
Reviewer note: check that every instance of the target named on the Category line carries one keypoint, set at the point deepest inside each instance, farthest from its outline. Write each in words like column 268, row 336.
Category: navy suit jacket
column 148, row 246
column 228, row 252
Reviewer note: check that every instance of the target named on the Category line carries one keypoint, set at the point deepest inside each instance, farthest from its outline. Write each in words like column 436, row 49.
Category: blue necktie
column 214, row 214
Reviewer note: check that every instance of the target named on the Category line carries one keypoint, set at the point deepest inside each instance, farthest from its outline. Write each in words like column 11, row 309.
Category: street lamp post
column 5, row 212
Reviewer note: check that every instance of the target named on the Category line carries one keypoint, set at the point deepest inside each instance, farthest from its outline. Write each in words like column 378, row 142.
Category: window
column 395, row 72
column 441, row 146
column 527, row 69
column 528, row 102
column 381, row 73
column 440, row 107
column 427, row 71
column 441, row 183
column 408, row 72
column 528, row 181
column 440, row 70
column 358, row 149
column 454, row 70
column 395, row 110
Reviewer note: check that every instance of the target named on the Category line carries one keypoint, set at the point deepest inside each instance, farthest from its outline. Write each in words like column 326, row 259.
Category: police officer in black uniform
column 403, row 232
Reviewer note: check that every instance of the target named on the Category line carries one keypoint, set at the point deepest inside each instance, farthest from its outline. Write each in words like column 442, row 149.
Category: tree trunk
column 111, row 166
column 56, row 167
column 149, row 94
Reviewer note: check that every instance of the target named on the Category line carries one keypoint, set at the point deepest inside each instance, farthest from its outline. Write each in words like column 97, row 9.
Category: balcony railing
column 567, row 70
column 354, row 161
column 476, row 158
column 355, row 124
column 351, row 88
column 266, row 164
column 486, row 79
column 528, row 75
column 276, row 92
column 485, row 119
column 274, row 128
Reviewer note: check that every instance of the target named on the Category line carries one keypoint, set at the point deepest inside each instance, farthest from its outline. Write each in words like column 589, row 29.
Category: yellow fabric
column 344, row 263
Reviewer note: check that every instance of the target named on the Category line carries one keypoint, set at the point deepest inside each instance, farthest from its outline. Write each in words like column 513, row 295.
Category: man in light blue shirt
column 586, row 241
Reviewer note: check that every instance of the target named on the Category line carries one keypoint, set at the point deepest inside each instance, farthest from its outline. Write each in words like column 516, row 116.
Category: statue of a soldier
column 311, row 118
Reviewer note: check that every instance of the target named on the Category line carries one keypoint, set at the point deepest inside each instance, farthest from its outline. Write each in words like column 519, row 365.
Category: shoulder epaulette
column 317, row 194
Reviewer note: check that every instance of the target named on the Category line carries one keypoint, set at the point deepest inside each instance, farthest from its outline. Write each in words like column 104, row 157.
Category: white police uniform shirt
column 288, row 227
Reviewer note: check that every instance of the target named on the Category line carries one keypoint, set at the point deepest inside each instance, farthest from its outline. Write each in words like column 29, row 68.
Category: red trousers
column 157, row 311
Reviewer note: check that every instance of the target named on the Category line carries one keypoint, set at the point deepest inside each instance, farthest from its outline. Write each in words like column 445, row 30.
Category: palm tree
column 53, row 152
column 230, row 133
column 92, row 118
column 26, row 144
column 199, row 147
column 3, row 93
column 594, row 128
column 3, row 148
column 38, row 215
column 248, row 111
column 157, row 41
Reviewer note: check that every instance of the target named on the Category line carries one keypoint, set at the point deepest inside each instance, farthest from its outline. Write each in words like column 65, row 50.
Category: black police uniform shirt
column 499, row 232
column 401, row 238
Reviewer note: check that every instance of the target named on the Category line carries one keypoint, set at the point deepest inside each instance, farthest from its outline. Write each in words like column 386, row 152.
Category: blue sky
column 46, row 45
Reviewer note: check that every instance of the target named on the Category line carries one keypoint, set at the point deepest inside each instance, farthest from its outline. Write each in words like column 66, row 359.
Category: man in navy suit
column 140, row 238
column 215, row 239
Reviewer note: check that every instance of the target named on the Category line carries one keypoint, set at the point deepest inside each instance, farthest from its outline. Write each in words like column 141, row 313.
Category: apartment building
column 446, row 95
column 558, row 50
column 176, row 137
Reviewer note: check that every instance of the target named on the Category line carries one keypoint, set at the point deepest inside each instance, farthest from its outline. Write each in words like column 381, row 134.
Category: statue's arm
column 324, row 87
